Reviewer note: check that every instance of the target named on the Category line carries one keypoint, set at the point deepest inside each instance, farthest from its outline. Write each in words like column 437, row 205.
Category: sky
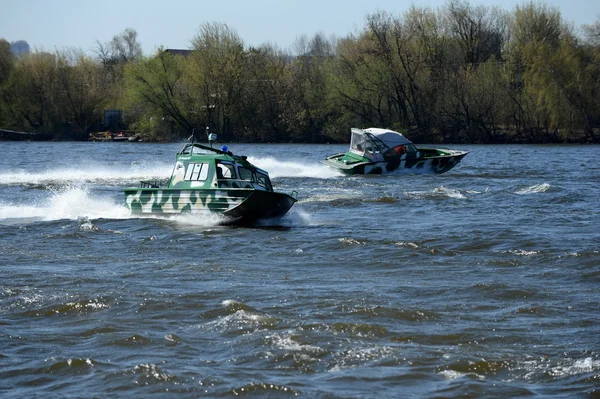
column 49, row 25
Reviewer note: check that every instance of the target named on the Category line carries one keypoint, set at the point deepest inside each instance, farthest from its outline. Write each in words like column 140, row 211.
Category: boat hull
column 237, row 205
column 428, row 162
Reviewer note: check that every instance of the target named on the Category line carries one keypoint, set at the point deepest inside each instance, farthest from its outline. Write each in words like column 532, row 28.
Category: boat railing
column 152, row 183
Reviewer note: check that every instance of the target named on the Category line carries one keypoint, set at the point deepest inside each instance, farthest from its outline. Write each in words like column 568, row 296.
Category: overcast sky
column 58, row 24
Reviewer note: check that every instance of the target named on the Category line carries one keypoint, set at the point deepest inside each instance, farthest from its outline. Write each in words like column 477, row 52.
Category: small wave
column 357, row 357
column 228, row 307
column 239, row 322
column 518, row 252
column 438, row 192
column 424, row 248
column 134, row 340
column 20, row 298
column 286, row 352
column 350, row 242
column 537, row 188
column 243, row 318
column 449, row 192
column 173, row 339
column 534, row 368
column 77, row 364
column 359, row 330
column 287, row 343
column 407, row 244
column 152, row 374
column 579, row 366
column 397, row 314
column 487, row 190
column 86, row 225
column 72, row 363
column 78, row 308
column 479, row 367
column 233, row 306
column 452, row 374
column 346, row 202
column 351, row 197
column 262, row 388
column 386, row 199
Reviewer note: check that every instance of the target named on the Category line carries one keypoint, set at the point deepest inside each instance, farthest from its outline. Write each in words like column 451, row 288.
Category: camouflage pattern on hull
column 174, row 201
column 378, row 151
column 424, row 165
column 427, row 164
column 241, row 205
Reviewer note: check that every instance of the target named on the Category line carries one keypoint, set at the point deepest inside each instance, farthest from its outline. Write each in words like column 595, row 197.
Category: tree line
column 458, row 74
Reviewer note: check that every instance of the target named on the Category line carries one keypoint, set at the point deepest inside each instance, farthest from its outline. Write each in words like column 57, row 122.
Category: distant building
column 174, row 51
column 19, row 48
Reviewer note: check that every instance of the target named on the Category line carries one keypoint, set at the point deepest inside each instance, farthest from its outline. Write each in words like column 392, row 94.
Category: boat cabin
column 376, row 143
column 201, row 167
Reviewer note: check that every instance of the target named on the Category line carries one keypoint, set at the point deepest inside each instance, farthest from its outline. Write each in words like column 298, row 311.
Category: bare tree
column 83, row 88
column 478, row 32
column 217, row 75
column 123, row 48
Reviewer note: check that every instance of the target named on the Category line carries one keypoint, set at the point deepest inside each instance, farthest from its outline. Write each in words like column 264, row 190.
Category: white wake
column 278, row 168
column 71, row 203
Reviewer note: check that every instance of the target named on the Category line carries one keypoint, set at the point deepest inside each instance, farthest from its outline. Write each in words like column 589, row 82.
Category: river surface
column 480, row 282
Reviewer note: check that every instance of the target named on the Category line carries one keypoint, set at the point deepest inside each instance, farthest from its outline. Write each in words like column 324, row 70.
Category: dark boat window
column 411, row 148
column 245, row 174
column 196, row 171
column 263, row 181
column 225, row 171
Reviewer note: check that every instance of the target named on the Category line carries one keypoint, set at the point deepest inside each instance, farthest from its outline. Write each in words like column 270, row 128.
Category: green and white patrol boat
column 379, row 151
column 210, row 180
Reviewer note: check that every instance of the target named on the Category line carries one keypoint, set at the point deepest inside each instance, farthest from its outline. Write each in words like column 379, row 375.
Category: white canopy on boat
column 388, row 137
column 374, row 142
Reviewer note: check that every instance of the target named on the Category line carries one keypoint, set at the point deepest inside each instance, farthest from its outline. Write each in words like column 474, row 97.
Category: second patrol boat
column 379, row 151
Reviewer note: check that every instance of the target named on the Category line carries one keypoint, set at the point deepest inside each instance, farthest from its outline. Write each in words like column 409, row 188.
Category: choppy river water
column 481, row 282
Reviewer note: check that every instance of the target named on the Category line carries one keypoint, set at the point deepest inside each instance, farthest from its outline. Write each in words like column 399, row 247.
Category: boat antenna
column 192, row 138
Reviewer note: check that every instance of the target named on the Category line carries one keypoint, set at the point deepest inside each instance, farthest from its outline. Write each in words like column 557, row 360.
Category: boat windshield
column 196, row 149
column 367, row 145
column 200, row 151
column 258, row 178
column 263, row 181
column 411, row 148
